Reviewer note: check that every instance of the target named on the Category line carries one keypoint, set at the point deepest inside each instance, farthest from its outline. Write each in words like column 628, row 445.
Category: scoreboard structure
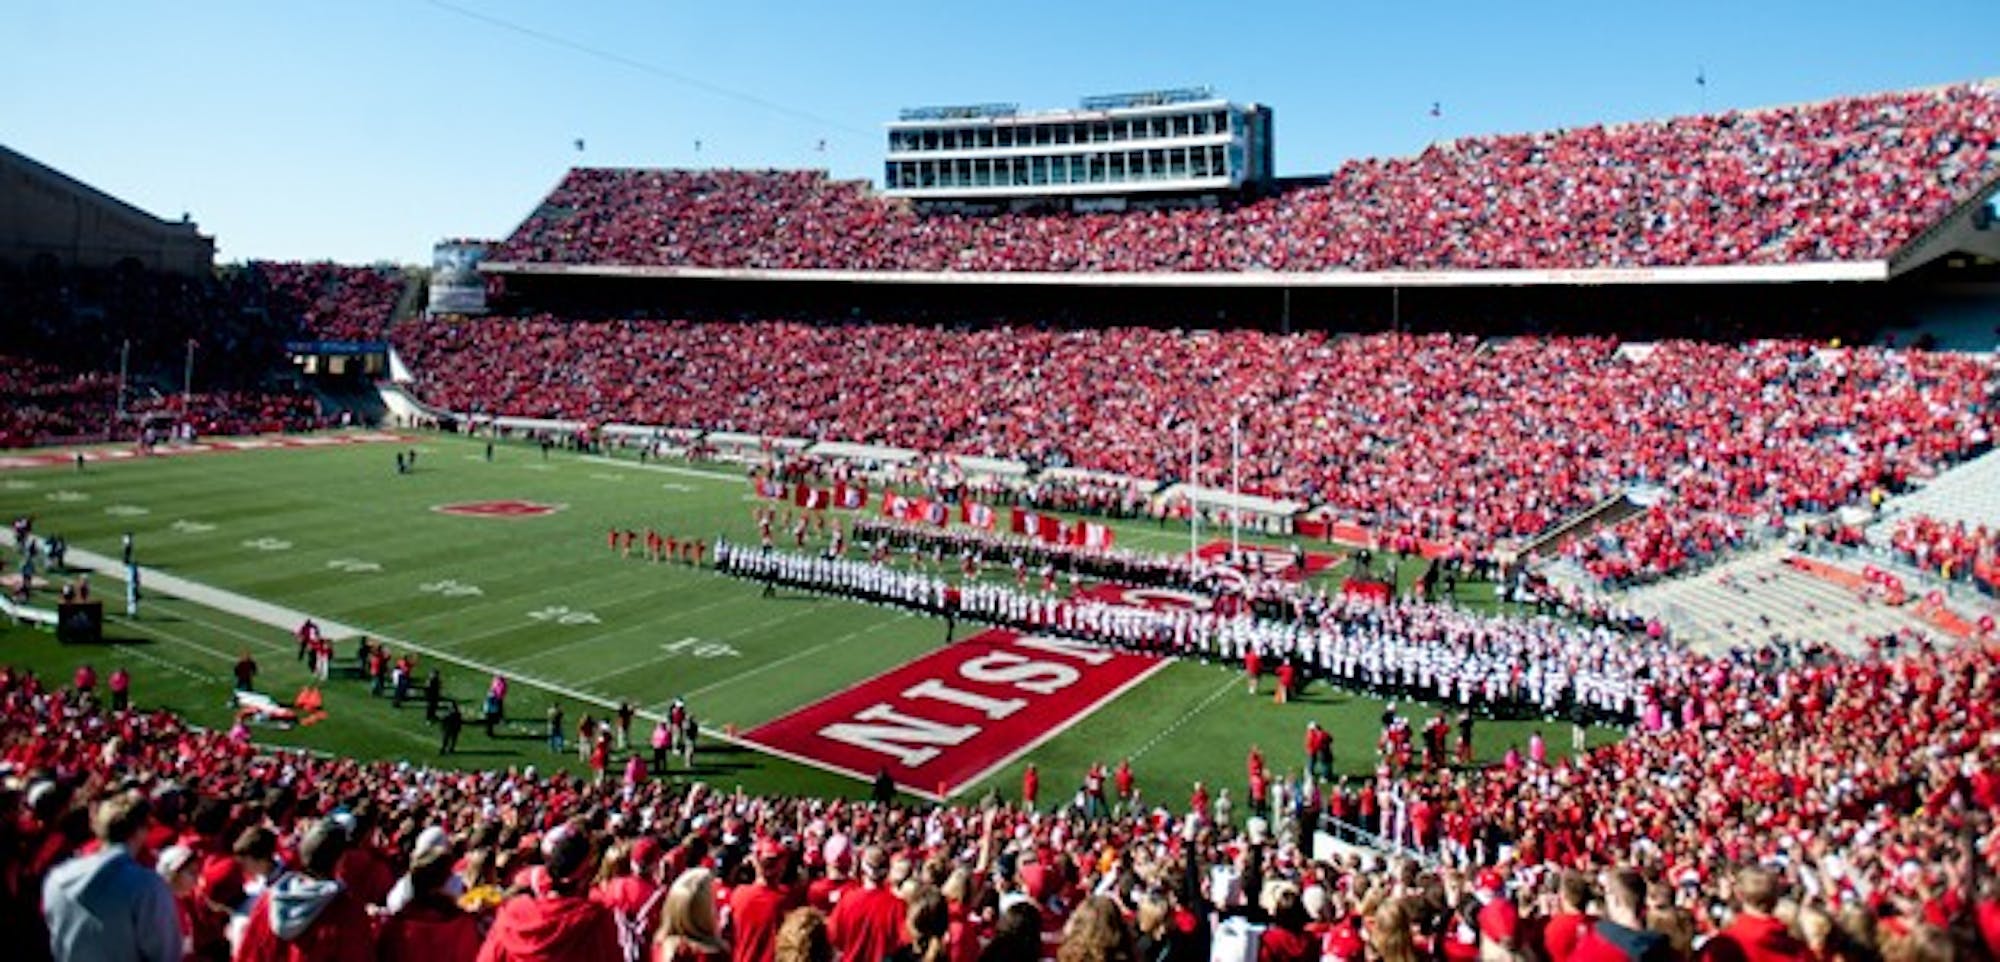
column 1184, row 141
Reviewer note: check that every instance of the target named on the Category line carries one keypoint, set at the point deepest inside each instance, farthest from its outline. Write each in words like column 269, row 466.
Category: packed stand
column 1953, row 550
column 40, row 402
column 331, row 302
column 69, row 331
column 1748, row 815
column 1845, row 179
column 1444, row 438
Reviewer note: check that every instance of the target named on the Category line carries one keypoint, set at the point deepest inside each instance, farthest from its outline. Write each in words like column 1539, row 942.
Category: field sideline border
column 287, row 620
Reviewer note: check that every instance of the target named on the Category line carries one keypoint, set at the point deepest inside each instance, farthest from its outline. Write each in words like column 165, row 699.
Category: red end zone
column 951, row 718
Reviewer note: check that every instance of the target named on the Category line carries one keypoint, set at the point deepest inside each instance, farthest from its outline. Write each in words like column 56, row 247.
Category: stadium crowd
column 40, row 402
column 1850, row 178
column 1444, row 438
column 331, row 302
column 1773, row 801
column 1950, row 550
column 70, row 329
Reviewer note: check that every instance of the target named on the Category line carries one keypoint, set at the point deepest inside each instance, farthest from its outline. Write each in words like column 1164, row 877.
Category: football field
column 479, row 566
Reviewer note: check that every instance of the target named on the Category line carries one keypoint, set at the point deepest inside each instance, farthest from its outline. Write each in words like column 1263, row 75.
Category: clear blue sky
column 361, row 130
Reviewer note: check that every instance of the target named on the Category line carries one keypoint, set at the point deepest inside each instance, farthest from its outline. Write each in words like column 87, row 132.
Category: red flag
column 1098, row 536
column 936, row 513
column 1019, row 521
column 1048, row 529
column 853, row 497
column 767, row 488
column 817, row 499
column 894, row 505
column 977, row 515
column 800, row 495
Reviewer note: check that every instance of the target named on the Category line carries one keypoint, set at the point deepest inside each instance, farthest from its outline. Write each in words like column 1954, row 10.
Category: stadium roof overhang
column 1721, row 274
column 1971, row 228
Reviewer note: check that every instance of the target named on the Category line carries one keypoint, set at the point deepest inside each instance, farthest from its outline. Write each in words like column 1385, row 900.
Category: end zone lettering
column 952, row 717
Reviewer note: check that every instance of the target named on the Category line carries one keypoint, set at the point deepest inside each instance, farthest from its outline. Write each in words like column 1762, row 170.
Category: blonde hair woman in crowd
column 689, row 931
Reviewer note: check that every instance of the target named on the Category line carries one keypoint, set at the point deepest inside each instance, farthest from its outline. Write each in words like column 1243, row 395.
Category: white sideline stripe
column 287, row 620
column 663, row 468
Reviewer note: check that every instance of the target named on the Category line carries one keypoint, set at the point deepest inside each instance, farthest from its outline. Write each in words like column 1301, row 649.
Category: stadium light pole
column 187, row 380
column 1194, row 510
column 124, row 365
column 1236, row 484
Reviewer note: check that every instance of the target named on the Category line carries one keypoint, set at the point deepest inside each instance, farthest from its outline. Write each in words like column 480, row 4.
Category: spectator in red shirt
column 1571, row 920
column 430, row 927
column 308, row 915
column 1621, row 935
column 756, row 910
column 825, row 892
column 1753, row 935
column 868, row 923
column 635, row 897
column 1499, row 921
column 367, row 871
column 1285, row 939
column 553, row 921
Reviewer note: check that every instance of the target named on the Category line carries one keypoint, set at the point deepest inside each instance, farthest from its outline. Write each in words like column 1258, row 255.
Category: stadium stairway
column 1969, row 492
column 1756, row 599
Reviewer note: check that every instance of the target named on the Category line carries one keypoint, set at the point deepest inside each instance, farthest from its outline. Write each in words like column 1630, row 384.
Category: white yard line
column 1203, row 706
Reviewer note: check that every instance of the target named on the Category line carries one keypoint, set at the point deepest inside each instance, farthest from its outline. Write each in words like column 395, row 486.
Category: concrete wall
column 44, row 212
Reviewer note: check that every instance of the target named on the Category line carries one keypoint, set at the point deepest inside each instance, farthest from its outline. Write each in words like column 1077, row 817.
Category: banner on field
column 852, row 497
column 977, row 515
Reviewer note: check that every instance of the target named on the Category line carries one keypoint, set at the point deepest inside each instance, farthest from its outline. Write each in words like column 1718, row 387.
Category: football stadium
column 1077, row 541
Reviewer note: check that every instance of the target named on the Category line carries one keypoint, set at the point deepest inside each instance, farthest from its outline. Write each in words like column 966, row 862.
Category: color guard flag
column 977, row 515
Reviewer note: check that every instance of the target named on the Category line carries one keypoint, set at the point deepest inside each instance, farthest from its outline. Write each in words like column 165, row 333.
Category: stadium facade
column 46, row 215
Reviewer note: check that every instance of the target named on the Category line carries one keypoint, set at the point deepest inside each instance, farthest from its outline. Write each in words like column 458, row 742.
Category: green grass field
column 335, row 533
